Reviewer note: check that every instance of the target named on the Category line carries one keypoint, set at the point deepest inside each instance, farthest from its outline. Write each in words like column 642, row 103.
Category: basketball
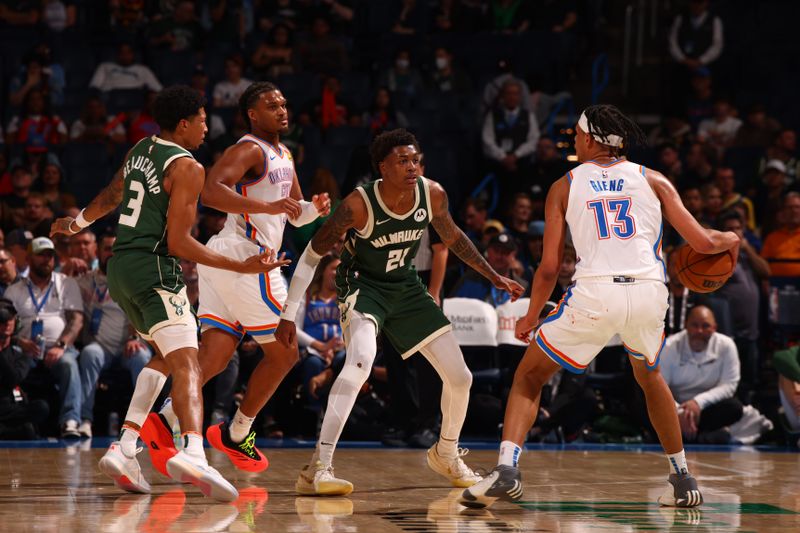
column 704, row 272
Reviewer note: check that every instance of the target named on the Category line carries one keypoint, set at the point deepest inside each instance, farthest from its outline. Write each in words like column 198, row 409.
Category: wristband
column 81, row 221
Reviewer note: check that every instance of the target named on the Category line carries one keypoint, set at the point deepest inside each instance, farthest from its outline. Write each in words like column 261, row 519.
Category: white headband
column 610, row 140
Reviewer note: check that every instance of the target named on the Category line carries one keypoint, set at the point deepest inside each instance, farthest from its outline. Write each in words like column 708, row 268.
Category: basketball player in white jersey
column 613, row 208
column 261, row 171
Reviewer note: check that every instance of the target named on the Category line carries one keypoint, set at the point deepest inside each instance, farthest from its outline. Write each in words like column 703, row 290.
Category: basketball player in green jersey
column 379, row 289
column 158, row 186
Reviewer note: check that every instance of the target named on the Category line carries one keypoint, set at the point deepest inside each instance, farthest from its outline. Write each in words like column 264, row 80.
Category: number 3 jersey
column 615, row 220
column 383, row 251
column 274, row 183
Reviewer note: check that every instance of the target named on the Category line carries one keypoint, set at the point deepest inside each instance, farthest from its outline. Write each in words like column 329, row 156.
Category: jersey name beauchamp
column 147, row 168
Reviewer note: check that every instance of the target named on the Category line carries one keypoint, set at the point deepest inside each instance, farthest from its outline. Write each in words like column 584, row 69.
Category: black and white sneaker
column 683, row 492
column 502, row 483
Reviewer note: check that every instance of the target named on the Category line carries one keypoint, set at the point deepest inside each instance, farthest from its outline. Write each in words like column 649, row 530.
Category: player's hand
column 510, row 286
column 263, row 262
column 64, row 226
column 286, row 333
column 323, row 203
column 287, row 205
column 524, row 327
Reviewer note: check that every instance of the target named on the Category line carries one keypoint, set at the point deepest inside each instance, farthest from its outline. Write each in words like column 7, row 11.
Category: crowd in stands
column 480, row 83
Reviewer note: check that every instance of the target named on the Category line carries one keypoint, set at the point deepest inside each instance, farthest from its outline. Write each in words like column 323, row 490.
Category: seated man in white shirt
column 701, row 368
column 124, row 73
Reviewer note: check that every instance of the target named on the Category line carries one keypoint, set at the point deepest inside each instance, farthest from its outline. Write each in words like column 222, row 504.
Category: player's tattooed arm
column 455, row 239
column 351, row 213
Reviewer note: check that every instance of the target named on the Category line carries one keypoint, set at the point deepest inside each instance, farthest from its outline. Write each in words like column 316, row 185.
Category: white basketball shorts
column 593, row 310
column 240, row 303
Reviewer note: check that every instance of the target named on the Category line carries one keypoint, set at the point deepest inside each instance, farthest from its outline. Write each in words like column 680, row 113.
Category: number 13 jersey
column 384, row 249
column 615, row 220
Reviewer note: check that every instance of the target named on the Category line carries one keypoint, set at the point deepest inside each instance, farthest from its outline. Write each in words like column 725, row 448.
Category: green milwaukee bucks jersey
column 384, row 250
column 143, row 220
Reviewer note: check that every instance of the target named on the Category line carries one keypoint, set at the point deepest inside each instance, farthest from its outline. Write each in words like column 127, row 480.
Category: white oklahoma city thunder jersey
column 615, row 220
column 274, row 183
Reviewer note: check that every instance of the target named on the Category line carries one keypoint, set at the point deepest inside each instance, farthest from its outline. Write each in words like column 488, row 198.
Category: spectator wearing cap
column 782, row 246
column 17, row 242
column 228, row 91
column 19, row 418
column 474, row 215
column 8, row 270
column 510, row 134
column 110, row 336
column 124, row 73
column 491, row 228
column 501, row 255
column 769, row 200
column 50, row 311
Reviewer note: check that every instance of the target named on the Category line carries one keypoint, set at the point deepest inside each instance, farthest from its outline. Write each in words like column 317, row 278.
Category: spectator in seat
column 725, row 180
column 446, row 77
column 769, row 199
column 8, row 271
column 36, row 129
column 501, row 255
column 17, row 242
column 141, row 123
column 712, row 205
column 510, row 134
column 784, row 149
column 37, row 217
column 743, row 292
column 38, row 72
column 83, row 250
column 701, row 368
column 720, row 131
column 228, row 91
column 51, row 317
column 699, row 169
column 782, row 246
column 274, row 56
column 19, row 418
column 535, row 243
column 52, row 187
column 673, row 130
column 758, row 129
column 332, row 110
column 700, row 103
column 95, row 125
column 669, row 163
column 493, row 89
column 14, row 203
column 124, row 73
column 382, row 115
column 474, row 215
column 403, row 78
column 695, row 38
column 322, row 53
column 178, row 32
column 548, row 167
column 109, row 335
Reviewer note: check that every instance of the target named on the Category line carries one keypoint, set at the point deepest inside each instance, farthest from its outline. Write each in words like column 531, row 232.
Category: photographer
column 18, row 418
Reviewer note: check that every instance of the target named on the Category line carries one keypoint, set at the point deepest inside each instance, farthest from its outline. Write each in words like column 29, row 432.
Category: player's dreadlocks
column 250, row 97
column 384, row 143
column 605, row 120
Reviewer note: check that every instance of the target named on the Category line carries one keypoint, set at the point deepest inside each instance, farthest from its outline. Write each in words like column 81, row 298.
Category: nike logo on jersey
column 271, row 157
column 379, row 222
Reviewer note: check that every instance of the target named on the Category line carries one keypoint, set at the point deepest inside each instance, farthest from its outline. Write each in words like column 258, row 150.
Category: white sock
column 193, row 445
column 677, row 463
column 509, row 454
column 127, row 441
column 169, row 413
column 240, row 426
column 447, row 447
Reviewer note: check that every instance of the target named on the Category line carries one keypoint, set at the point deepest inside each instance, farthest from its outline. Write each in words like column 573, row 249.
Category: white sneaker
column 85, row 429
column 124, row 470
column 187, row 468
column 453, row 468
column 318, row 480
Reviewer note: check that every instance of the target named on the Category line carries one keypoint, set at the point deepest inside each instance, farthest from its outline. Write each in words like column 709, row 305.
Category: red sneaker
column 157, row 435
column 244, row 455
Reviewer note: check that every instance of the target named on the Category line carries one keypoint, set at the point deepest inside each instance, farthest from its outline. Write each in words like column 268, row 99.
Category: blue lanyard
column 101, row 295
column 39, row 305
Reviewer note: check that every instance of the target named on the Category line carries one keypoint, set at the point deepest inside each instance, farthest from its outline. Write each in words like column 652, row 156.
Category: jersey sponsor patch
column 420, row 215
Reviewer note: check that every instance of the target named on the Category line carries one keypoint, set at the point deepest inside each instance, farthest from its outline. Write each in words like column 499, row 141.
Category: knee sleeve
column 360, row 351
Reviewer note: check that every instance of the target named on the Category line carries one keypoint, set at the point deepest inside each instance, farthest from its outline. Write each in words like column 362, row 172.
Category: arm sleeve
column 303, row 275
column 303, row 338
column 729, row 379
column 308, row 215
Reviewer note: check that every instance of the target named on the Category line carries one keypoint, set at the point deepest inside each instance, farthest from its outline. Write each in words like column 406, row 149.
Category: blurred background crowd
column 492, row 90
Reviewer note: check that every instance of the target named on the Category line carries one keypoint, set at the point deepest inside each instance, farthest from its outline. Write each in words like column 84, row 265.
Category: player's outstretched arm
column 459, row 243
column 703, row 240
column 183, row 179
column 105, row 202
column 351, row 213
column 240, row 160
column 545, row 277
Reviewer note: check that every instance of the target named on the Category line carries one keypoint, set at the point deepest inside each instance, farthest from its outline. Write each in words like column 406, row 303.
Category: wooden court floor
column 61, row 490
